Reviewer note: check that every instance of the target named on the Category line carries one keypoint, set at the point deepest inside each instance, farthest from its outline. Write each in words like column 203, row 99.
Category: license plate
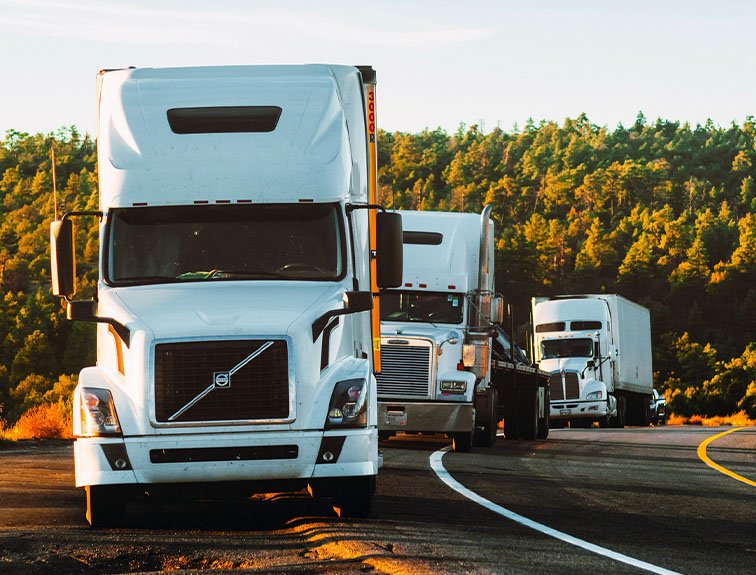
column 396, row 418
column 565, row 411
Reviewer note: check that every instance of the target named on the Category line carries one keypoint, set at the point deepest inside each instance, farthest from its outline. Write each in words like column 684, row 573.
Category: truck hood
column 438, row 334
column 564, row 364
column 227, row 309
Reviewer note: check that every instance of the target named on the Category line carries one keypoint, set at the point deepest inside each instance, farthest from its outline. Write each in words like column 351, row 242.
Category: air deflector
column 223, row 119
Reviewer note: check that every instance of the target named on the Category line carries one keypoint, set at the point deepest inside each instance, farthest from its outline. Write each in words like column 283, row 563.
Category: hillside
column 662, row 213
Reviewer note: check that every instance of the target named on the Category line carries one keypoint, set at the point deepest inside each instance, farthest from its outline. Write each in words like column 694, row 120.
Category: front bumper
column 429, row 417
column 226, row 457
column 572, row 409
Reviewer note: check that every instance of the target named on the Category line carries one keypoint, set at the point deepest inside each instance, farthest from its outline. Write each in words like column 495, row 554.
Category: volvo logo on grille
column 222, row 379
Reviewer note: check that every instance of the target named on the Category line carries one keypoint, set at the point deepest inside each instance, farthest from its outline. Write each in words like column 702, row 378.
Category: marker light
column 97, row 413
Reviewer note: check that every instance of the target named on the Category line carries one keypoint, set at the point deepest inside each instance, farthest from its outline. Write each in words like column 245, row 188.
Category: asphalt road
column 640, row 492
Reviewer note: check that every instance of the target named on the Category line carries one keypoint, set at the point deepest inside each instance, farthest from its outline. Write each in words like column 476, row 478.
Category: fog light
column 120, row 463
column 328, row 456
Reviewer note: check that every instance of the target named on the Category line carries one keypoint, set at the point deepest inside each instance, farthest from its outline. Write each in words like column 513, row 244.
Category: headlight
column 348, row 406
column 454, row 386
column 595, row 395
column 97, row 413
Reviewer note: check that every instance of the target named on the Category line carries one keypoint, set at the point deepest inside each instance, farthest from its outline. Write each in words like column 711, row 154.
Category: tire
column 605, row 421
column 356, row 499
column 105, row 505
column 462, row 442
column 528, row 413
column 486, row 437
column 543, row 422
column 511, row 430
column 618, row 422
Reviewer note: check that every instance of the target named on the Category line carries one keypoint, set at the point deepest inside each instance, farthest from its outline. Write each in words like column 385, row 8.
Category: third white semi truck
column 597, row 349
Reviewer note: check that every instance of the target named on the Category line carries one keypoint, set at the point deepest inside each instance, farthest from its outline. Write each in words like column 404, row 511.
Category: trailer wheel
column 462, row 442
column 510, row 426
column 105, row 505
column 355, row 499
column 486, row 437
column 528, row 413
column 543, row 422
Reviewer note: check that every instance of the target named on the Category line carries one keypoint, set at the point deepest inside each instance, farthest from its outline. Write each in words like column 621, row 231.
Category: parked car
column 658, row 409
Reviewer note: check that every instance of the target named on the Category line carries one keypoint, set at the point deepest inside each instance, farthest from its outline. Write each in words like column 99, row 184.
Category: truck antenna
column 55, row 190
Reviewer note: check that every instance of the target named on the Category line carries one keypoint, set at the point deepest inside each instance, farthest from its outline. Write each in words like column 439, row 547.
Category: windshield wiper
column 253, row 274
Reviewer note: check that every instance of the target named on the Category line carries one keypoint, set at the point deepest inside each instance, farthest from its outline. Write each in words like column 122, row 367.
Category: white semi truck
column 237, row 301
column 597, row 349
column 447, row 366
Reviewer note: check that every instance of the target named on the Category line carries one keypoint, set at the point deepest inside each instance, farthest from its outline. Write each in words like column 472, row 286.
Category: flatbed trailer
column 523, row 399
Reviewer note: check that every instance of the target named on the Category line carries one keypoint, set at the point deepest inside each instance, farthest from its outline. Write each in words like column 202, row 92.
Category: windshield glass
column 552, row 348
column 193, row 243
column 432, row 307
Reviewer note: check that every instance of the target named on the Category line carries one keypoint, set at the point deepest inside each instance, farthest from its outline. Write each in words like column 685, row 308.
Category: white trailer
column 598, row 351
column 447, row 368
column 237, row 294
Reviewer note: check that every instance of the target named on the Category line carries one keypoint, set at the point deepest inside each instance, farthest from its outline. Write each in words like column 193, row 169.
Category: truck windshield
column 431, row 307
column 195, row 243
column 551, row 348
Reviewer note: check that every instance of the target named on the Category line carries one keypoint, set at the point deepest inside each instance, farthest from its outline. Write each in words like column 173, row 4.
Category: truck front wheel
column 462, row 442
column 355, row 498
column 618, row 421
column 105, row 505
column 485, row 435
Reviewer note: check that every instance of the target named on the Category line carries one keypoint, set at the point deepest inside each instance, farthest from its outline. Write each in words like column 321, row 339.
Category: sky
column 440, row 63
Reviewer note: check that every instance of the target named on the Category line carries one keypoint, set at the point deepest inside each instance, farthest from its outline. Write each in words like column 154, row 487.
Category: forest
column 661, row 212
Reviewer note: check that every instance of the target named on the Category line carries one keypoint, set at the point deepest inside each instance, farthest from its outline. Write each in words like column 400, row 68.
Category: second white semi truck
column 597, row 349
column 446, row 365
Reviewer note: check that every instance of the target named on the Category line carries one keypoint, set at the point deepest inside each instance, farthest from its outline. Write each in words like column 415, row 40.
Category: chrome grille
column 188, row 389
column 405, row 370
column 564, row 386
column 571, row 384
column 556, row 389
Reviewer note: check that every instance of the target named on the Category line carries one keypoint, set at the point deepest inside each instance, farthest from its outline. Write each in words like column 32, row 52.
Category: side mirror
column 390, row 249
column 62, row 259
column 356, row 301
column 497, row 309
column 81, row 310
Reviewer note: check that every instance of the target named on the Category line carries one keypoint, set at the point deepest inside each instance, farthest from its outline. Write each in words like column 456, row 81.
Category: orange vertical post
column 375, row 314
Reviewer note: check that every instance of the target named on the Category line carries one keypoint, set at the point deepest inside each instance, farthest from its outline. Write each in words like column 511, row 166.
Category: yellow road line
column 705, row 458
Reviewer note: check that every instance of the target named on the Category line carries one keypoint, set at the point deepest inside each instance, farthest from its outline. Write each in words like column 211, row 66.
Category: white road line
column 439, row 469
